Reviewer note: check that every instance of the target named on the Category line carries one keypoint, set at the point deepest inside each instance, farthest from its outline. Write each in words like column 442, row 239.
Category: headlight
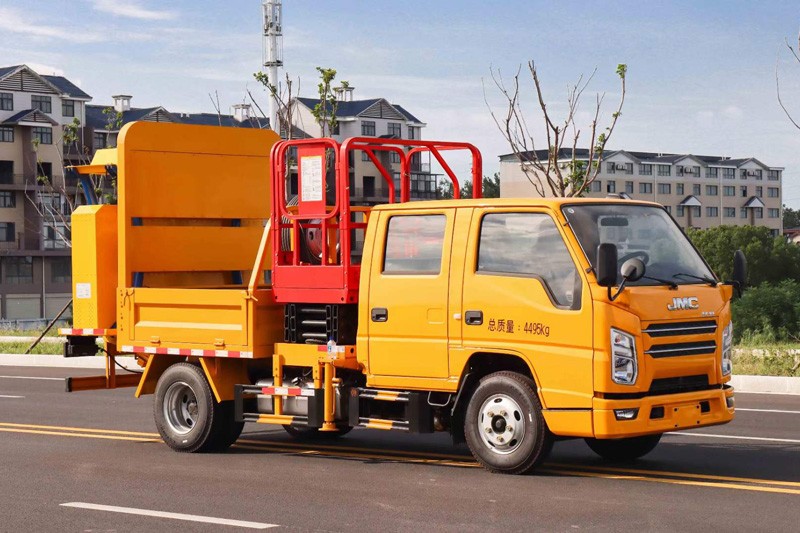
column 727, row 349
column 624, row 367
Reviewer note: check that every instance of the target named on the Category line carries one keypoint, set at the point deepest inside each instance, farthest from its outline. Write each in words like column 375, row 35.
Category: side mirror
column 606, row 271
column 739, row 268
column 633, row 269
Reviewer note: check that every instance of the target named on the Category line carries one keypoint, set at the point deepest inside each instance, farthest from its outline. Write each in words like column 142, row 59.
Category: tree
column 325, row 110
column 491, row 188
column 547, row 175
column 791, row 218
column 283, row 99
column 769, row 258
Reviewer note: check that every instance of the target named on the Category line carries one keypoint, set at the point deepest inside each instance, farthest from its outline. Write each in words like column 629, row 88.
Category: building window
column 6, row 172
column 8, row 199
column 646, row 188
column 664, row 188
column 743, row 173
column 628, row 168
column 365, row 156
column 56, row 236
column 646, row 169
column 759, row 174
column 689, row 171
column 759, row 211
column 611, row 168
column 712, row 212
column 743, row 190
column 729, row 212
column 743, row 212
column 629, row 187
column 679, row 189
column 664, row 170
column 6, row 102
column 68, row 108
column 60, row 270
column 18, row 270
column 728, row 190
column 42, row 135
column 8, row 232
column 42, row 103
column 6, row 134
column 773, row 192
column 697, row 211
column 411, row 133
column 696, row 189
column 712, row 190
column 368, row 128
column 99, row 140
column 759, row 191
column 414, row 244
column 597, row 186
column 728, row 173
column 773, row 175
column 395, row 129
column 712, row 172
column 395, row 157
column 611, row 186
column 773, row 212
column 369, row 186
column 681, row 211
column 528, row 245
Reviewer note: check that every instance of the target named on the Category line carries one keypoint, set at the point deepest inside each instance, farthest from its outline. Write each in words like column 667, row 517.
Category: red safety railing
column 312, row 239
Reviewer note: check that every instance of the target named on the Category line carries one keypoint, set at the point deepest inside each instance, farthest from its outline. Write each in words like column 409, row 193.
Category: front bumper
column 659, row 414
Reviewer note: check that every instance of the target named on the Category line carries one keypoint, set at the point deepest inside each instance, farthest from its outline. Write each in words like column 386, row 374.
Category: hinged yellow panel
column 94, row 266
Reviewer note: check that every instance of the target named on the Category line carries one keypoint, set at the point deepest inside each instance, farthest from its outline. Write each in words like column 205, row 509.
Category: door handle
column 380, row 314
column 473, row 318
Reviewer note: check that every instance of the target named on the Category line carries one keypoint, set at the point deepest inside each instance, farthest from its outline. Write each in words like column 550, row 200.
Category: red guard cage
column 313, row 235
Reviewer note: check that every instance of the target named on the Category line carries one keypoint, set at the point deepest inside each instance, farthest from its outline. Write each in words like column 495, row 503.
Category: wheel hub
column 180, row 408
column 503, row 424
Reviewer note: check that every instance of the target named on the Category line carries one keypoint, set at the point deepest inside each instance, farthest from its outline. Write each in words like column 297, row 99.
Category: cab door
column 408, row 295
column 524, row 295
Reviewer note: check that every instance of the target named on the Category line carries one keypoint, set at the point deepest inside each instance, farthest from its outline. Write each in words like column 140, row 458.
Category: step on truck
column 251, row 285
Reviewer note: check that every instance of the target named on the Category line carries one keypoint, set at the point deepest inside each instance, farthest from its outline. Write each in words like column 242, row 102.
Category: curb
column 744, row 384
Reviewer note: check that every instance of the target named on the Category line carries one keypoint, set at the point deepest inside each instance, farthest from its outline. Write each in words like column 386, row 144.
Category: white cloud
column 733, row 112
column 13, row 21
column 131, row 9
column 46, row 70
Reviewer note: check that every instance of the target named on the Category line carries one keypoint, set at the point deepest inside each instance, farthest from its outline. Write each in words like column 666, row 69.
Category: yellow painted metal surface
column 101, row 158
column 94, row 266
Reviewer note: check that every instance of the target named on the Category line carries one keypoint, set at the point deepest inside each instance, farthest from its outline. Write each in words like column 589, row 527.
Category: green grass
column 48, row 348
column 28, row 332
column 764, row 359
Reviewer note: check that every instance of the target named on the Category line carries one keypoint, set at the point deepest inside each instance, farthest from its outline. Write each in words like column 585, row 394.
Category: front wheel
column 504, row 426
column 624, row 449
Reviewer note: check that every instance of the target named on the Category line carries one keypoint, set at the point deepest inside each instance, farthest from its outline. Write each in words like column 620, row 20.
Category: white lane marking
column 769, row 411
column 739, row 437
column 738, row 392
column 174, row 516
column 31, row 377
column 9, row 396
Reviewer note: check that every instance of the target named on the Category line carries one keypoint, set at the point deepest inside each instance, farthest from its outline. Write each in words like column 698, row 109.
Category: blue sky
column 701, row 75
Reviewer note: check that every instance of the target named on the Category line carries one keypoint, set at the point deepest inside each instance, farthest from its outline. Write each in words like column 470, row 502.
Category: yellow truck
column 239, row 272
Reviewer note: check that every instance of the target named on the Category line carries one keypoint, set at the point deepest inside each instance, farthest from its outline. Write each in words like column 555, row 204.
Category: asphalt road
column 100, row 448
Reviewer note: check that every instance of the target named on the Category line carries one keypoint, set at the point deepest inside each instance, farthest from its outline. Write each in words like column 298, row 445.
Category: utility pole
column 273, row 53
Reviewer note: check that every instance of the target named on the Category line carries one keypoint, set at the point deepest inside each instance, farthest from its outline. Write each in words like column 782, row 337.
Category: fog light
column 626, row 414
column 729, row 402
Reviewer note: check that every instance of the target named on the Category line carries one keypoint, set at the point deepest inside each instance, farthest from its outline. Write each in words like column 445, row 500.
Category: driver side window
column 529, row 245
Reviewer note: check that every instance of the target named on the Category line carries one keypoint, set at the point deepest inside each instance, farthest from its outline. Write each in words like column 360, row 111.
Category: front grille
column 682, row 348
column 670, row 329
column 678, row 385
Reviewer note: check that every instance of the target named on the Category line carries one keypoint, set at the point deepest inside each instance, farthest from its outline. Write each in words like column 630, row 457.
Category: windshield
column 645, row 232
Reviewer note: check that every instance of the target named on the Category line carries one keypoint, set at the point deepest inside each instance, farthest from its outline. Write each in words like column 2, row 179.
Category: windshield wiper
column 671, row 284
column 710, row 281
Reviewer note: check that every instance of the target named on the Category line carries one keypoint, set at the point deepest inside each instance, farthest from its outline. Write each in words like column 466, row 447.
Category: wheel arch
column 222, row 374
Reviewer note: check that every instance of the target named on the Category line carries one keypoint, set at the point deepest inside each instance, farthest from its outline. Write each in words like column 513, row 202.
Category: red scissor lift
column 332, row 278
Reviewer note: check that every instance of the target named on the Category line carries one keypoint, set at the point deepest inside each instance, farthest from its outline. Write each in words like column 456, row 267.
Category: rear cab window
column 414, row 244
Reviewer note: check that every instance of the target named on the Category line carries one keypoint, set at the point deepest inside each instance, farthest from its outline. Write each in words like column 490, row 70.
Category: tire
column 187, row 415
column 624, row 449
column 304, row 433
column 504, row 426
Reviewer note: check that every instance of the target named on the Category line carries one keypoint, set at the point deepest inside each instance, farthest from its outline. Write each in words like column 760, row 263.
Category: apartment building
column 374, row 117
column 699, row 191
column 35, row 268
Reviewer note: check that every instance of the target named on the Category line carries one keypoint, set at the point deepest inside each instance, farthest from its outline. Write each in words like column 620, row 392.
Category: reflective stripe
column 186, row 352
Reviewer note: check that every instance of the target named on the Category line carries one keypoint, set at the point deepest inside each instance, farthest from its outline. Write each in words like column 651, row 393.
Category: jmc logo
column 679, row 304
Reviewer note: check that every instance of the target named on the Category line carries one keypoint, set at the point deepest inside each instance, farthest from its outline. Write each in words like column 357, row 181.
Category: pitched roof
column 6, row 70
column 30, row 115
column 67, row 87
column 213, row 119
column 350, row 108
column 409, row 116
column 645, row 157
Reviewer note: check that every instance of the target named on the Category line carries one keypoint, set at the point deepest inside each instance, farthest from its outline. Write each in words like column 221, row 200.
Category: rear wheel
column 187, row 415
column 504, row 426
column 624, row 449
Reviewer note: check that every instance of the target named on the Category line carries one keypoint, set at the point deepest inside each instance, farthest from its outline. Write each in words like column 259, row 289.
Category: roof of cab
column 552, row 203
